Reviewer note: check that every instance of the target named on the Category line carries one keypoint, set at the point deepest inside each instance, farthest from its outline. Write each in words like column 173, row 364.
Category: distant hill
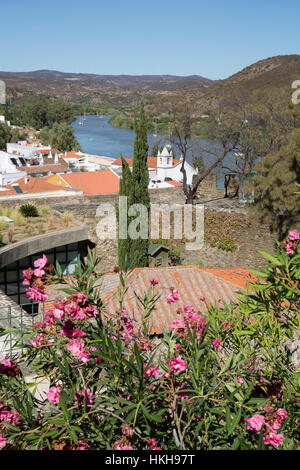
column 276, row 73
column 116, row 89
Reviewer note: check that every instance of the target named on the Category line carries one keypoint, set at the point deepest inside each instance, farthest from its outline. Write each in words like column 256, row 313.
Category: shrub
column 29, row 210
column 226, row 244
column 225, row 380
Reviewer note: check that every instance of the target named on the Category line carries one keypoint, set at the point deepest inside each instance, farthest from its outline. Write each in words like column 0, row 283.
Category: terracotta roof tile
column 93, row 182
column 33, row 185
column 218, row 285
column 49, row 167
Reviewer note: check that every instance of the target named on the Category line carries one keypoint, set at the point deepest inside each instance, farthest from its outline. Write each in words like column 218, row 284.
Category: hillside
column 104, row 89
column 275, row 73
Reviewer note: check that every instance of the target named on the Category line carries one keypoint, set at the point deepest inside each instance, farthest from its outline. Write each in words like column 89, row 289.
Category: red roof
column 49, row 167
column 174, row 183
column 216, row 285
column 33, row 185
column 48, row 151
column 152, row 162
column 72, row 154
column 93, row 182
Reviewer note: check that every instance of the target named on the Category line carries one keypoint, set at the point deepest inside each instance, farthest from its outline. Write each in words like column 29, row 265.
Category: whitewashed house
column 79, row 160
column 8, row 169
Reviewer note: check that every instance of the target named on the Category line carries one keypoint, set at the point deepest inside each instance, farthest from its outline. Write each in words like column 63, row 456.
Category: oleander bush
column 223, row 380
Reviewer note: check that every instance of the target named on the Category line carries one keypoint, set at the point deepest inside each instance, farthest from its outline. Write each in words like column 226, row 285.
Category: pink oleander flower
column 9, row 367
column 49, row 318
column 58, row 314
column 41, row 262
column 240, row 379
column 227, row 325
column 154, row 281
column 127, row 430
column 275, row 426
column 281, row 413
column 81, row 445
column 172, row 297
column 85, row 395
column 73, row 311
column 91, row 312
column 151, row 371
column 80, row 298
column 216, row 343
column 189, row 309
column 255, row 423
column 53, row 394
column 289, row 249
column 67, row 329
column 153, row 444
column 273, row 439
column 178, row 325
column 118, row 445
column 76, row 348
column 7, row 416
column 178, row 365
column 294, row 235
column 37, row 294
column 202, row 299
column 39, row 272
column 37, row 341
column 3, row 441
column 27, row 276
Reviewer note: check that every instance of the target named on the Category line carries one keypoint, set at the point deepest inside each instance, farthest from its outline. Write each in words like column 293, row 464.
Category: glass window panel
column 2, row 276
column 71, row 268
column 12, row 266
column 14, row 298
column 73, row 247
column 60, row 249
column 24, row 262
column 2, row 287
column 50, row 257
column 12, row 289
column 73, row 257
column 61, row 257
column 11, row 276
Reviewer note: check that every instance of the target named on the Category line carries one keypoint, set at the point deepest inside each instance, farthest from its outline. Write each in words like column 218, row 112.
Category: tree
column 240, row 135
column 5, row 135
column 139, row 193
column 125, row 187
column 275, row 188
column 61, row 136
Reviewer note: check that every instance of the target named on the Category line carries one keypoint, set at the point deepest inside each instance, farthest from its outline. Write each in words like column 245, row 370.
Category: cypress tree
column 139, row 193
column 124, row 190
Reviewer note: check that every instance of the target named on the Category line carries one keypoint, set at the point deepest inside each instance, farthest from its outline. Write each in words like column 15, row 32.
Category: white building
column 163, row 168
column 79, row 160
column 8, row 169
column 168, row 167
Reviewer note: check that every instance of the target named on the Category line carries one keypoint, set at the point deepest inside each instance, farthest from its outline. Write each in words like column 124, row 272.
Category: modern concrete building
column 65, row 246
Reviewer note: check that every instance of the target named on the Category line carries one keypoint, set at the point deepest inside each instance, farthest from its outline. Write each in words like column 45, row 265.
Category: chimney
column 26, row 179
column 55, row 158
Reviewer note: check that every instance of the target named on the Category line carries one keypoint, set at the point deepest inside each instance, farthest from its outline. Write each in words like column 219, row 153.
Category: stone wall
column 208, row 188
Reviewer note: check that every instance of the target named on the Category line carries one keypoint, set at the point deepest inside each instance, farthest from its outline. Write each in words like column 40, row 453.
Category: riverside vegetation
column 223, row 379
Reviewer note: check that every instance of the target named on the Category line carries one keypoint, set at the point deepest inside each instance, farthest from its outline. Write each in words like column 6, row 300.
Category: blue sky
column 210, row 38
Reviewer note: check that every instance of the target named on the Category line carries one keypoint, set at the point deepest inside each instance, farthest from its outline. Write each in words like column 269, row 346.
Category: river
column 97, row 137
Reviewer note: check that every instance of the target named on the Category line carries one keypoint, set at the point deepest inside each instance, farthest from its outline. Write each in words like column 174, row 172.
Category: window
column 11, row 276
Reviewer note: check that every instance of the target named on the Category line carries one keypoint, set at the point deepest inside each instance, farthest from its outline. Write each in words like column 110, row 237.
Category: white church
column 163, row 168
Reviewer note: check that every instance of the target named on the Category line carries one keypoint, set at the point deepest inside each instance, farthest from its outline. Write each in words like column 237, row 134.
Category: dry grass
column 47, row 221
